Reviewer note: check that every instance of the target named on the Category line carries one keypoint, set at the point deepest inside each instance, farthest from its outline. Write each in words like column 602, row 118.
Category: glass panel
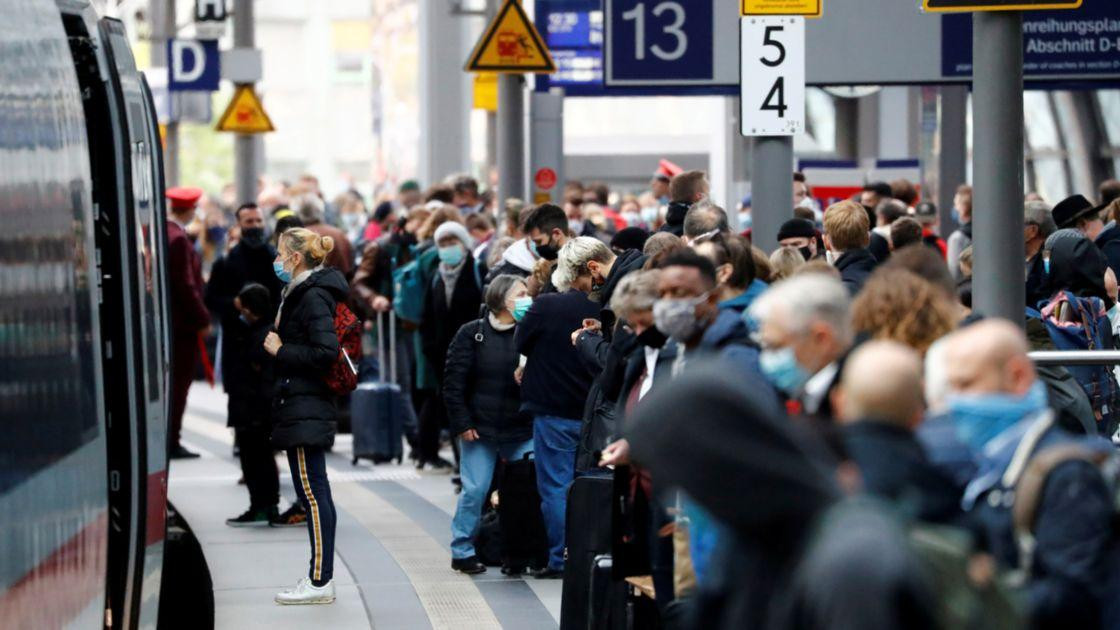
column 1050, row 178
column 821, row 112
column 1042, row 132
column 1109, row 100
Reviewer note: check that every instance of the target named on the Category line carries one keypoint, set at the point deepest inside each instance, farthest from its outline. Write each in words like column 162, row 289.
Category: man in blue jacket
column 1068, row 548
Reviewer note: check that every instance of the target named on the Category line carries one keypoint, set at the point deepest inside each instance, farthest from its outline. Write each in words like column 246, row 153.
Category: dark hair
column 904, row 190
column 883, row 189
column 798, row 176
column 545, row 217
column 891, row 210
column 1110, row 190
column 925, row 262
column 383, row 210
column 629, row 238
column 286, row 223
column 465, row 184
column 244, row 206
column 736, row 251
column 256, row 299
column 602, row 192
column 478, row 221
column 441, row 193
column 905, row 231
column 683, row 187
column 689, row 258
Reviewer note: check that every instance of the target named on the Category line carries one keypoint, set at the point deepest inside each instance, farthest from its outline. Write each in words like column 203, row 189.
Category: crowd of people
column 827, row 434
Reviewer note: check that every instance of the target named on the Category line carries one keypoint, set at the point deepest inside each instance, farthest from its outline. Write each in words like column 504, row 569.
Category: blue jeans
column 476, row 468
column 555, row 441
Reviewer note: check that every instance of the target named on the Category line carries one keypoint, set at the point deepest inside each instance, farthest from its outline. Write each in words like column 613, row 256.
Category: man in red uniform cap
column 189, row 316
column 659, row 184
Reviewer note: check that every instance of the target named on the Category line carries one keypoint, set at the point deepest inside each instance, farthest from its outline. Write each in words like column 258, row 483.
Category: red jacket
column 184, row 280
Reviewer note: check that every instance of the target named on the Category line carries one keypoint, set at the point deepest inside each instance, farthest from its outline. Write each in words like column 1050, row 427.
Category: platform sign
column 195, row 65
column 510, row 44
column 245, row 113
column 661, row 42
column 998, row 5
column 772, row 86
column 804, row 8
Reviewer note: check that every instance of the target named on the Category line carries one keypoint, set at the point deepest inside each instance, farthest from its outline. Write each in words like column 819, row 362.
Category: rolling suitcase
column 588, row 533
column 607, row 603
column 377, row 410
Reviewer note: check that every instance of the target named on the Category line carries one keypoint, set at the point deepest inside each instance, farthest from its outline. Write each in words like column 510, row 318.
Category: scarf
column 497, row 325
column 450, row 276
column 296, row 281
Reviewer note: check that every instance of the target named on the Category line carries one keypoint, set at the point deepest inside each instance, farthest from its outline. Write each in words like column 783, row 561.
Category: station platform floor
column 392, row 558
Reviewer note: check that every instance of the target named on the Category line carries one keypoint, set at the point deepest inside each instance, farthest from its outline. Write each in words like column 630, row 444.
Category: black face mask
column 806, row 252
column 548, row 252
column 253, row 237
column 652, row 338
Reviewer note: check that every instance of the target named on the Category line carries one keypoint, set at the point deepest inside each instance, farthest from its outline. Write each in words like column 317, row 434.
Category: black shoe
column 439, row 466
column 469, row 566
column 178, row 452
column 547, row 573
column 512, row 570
column 253, row 518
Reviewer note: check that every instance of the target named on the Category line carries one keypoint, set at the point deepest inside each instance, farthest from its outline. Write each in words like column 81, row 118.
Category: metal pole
column 1076, row 357
column 997, row 59
column 546, row 140
column 491, row 117
column 162, row 13
column 245, row 163
column 952, row 159
column 511, row 136
column 771, row 189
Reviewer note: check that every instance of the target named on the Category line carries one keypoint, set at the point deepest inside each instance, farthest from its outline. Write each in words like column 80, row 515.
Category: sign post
column 772, row 110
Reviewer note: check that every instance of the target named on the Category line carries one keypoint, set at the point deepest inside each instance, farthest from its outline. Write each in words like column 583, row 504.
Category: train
column 84, row 325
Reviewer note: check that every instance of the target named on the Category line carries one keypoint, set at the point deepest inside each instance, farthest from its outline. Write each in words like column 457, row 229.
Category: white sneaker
column 307, row 593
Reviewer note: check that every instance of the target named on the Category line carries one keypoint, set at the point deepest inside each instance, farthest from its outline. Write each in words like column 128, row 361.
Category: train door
column 114, row 231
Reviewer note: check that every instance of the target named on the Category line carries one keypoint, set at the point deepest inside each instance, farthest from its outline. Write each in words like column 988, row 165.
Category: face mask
column 1114, row 314
column 782, row 369
column 632, row 219
column 253, row 237
column 451, row 255
column 978, row 418
column 547, row 252
column 652, row 338
column 1046, row 266
column 215, row 234
column 520, row 307
column 745, row 220
column 576, row 226
column 676, row 317
column 806, row 252
column 649, row 214
column 284, row 275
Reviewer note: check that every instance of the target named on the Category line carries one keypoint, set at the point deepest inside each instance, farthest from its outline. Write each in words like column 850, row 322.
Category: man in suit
column 189, row 316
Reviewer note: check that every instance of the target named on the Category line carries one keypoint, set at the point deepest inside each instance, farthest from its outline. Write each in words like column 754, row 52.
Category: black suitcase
column 608, row 602
column 524, row 540
column 377, row 410
column 588, row 533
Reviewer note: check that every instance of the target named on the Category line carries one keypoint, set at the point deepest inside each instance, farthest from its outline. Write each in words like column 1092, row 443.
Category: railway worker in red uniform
column 189, row 316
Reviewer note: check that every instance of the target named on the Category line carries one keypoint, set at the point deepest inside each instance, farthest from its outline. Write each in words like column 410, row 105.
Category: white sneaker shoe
column 307, row 593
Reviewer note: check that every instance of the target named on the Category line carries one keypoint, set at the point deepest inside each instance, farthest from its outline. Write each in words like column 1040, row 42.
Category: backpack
column 408, row 291
column 343, row 375
column 1076, row 323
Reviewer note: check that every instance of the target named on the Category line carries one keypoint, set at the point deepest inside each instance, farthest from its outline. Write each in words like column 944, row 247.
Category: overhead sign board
column 998, row 5
column 195, row 65
column 245, row 113
column 772, row 87
column 510, row 44
column 210, row 11
column 806, row 8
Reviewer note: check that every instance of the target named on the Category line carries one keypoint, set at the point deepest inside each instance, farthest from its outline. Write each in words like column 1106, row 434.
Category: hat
column 409, row 185
column 183, row 197
column 1070, row 209
column 383, row 210
column 746, row 202
column 457, row 230
column 925, row 212
column 797, row 228
column 666, row 170
column 1061, row 235
column 632, row 237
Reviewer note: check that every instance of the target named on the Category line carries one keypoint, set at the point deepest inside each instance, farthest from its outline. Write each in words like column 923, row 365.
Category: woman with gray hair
column 484, row 407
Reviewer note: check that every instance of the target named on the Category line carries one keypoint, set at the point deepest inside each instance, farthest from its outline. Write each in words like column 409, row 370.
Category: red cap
column 667, row 170
column 183, row 197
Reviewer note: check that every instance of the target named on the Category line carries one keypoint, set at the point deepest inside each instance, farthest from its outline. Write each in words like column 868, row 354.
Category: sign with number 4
column 772, row 75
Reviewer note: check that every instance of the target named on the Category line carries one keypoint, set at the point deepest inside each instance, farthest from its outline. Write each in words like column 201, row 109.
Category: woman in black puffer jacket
column 305, row 346
column 483, row 404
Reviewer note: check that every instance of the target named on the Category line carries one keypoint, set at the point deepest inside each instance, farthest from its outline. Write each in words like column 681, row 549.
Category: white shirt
column 816, row 388
column 651, row 365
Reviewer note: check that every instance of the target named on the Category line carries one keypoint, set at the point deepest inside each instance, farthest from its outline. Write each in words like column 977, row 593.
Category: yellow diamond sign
column 511, row 44
column 245, row 114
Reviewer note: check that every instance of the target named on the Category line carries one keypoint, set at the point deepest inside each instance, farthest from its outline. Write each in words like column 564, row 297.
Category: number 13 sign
column 772, row 81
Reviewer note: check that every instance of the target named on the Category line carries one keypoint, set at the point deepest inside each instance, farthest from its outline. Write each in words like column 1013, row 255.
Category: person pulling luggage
column 484, row 407
column 306, row 347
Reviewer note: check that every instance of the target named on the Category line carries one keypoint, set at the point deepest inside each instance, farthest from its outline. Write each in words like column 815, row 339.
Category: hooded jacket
column 855, row 267
column 674, row 218
column 303, row 407
column 516, row 260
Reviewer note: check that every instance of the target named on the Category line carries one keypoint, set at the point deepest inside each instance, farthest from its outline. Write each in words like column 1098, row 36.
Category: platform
column 392, row 563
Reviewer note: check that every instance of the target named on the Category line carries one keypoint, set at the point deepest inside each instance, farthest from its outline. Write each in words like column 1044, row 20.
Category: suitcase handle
column 392, row 372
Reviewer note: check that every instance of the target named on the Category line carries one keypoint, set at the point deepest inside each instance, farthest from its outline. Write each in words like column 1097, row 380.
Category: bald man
column 880, row 403
column 999, row 409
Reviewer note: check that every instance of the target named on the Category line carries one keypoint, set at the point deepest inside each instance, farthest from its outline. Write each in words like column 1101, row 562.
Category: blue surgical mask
column 284, row 275
column 745, row 220
column 782, row 369
column 649, row 214
column 979, row 418
column 520, row 307
column 1046, row 265
column 451, row 255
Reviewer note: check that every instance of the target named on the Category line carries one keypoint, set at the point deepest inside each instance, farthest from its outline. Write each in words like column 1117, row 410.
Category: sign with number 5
column 772, row 75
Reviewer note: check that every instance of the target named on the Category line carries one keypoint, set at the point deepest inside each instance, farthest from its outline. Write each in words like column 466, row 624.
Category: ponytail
column 312, row 246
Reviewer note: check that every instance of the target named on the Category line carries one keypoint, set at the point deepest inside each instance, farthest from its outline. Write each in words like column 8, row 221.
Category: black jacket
column 303, row 409
column 594, row 347
column 228, row 276
column 674, row 218
column 478, row 385
column 442, row 320
column 1038, row 284
column 895, row 468
column 556, row 379
column 1109, row 243
column 879, row 247
column 855, row 266
column 251, row 404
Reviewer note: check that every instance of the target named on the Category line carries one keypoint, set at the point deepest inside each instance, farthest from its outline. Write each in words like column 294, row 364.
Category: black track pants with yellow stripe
column 309, row 475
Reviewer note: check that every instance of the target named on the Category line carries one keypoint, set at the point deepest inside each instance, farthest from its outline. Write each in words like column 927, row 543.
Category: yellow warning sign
column 511, row 44
column 807, row 8
column 245, row 114
column 486, row 91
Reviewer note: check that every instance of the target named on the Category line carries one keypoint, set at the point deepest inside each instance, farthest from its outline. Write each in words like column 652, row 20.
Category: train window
column 1109, row 102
